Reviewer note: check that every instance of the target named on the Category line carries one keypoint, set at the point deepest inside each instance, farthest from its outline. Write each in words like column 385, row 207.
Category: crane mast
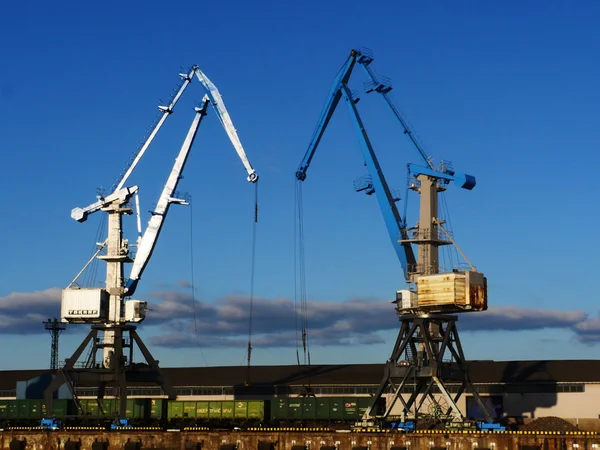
column 428, row 334
column 105, row 308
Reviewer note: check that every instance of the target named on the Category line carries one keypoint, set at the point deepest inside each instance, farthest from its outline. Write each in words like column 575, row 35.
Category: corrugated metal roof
column 559, row 371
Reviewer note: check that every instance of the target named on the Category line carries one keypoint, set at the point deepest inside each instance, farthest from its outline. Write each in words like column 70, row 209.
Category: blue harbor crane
column 428, row 336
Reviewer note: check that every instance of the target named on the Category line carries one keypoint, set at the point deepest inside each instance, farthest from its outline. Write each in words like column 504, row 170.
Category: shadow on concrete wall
column 528, row 386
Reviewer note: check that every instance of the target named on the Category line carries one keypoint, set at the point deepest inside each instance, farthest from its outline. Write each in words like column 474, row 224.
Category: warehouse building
column 519, row 389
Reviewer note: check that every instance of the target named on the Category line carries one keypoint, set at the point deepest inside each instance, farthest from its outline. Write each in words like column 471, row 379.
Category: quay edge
column 286, row 440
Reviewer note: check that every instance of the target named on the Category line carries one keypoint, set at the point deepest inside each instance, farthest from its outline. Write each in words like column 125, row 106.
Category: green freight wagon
column 157, row 408
column 350, row 408
column 61, row 408
column 326, row 409
column 258, row 410
column 29, row 409
column 4, row 409
column 137, row 409
column 279, row 408
column 8, row 410
column 202, row 410
column 364, row 403
column 20, row 410
column 222, row 411
column 90, row 408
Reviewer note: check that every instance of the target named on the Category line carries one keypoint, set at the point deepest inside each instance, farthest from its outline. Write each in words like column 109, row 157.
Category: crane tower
column 427, row 356
column 110, row 310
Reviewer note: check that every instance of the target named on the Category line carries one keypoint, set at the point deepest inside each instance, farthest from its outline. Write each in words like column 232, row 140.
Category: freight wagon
column 31, row 411
column 291, row 412
column 240, row 413
column 319, row 410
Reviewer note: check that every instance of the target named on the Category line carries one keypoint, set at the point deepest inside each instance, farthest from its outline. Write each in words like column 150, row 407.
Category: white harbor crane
column 106, row 308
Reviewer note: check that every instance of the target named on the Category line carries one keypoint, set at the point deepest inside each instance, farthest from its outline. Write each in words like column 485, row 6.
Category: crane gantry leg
column 426, row 364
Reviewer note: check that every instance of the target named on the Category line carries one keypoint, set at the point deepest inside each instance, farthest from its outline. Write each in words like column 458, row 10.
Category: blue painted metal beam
column 384, row 89
column 396, row 227
column 332, row 101
column 461, row 179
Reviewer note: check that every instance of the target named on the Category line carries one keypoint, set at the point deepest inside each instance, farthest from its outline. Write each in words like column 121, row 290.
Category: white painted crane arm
column 225, row 119
column 81, row 214
column 166, row 110
column 148, row 241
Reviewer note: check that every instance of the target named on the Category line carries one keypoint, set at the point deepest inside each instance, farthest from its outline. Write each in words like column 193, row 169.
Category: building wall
column 582, row 405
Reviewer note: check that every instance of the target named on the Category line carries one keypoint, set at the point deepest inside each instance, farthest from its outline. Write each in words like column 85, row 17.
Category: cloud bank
column 357, row 321
column 178, row 321
column 24, row 312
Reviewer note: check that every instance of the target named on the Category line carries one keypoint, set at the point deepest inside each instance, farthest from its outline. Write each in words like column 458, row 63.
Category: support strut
column 427, row 357
column 117, row 375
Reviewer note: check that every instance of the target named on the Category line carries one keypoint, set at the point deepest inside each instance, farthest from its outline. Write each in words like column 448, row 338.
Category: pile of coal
column 549, row 424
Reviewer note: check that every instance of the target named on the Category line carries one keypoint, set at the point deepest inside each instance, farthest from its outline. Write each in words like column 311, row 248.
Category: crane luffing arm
column 81, row 214
column 393, row 222
column 225, row 119
column 333, row 99
column 166, row 110
column 148, row 241
column 383, row 89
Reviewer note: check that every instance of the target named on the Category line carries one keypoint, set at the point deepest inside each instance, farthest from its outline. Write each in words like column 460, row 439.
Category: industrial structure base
column 426, row 358
column 116, row 373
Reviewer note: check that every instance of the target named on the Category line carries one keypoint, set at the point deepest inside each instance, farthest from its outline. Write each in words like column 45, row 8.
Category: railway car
column 279, row 412
column 318, row 411
column 22, row 411
column 240, row 413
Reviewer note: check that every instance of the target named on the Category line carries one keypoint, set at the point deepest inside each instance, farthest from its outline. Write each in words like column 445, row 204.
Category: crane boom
column 81, row 214
column 219, row 105
column 395, row 225
column 383, row 89
column 148, row 241
column 166, row 111
column 333, row 99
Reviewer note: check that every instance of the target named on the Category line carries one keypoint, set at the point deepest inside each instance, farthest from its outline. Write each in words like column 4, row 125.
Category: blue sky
column 507, row 91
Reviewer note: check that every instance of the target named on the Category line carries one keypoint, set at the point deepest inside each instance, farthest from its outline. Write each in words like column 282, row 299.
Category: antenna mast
column 55, row 327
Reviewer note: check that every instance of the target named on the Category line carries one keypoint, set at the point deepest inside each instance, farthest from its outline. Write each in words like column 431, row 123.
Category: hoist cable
column 302, row 276
column 193, row 286
column 296, row 220
column 452, row 253
column 90, row 278
column 192, row 270
column 252, row 271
